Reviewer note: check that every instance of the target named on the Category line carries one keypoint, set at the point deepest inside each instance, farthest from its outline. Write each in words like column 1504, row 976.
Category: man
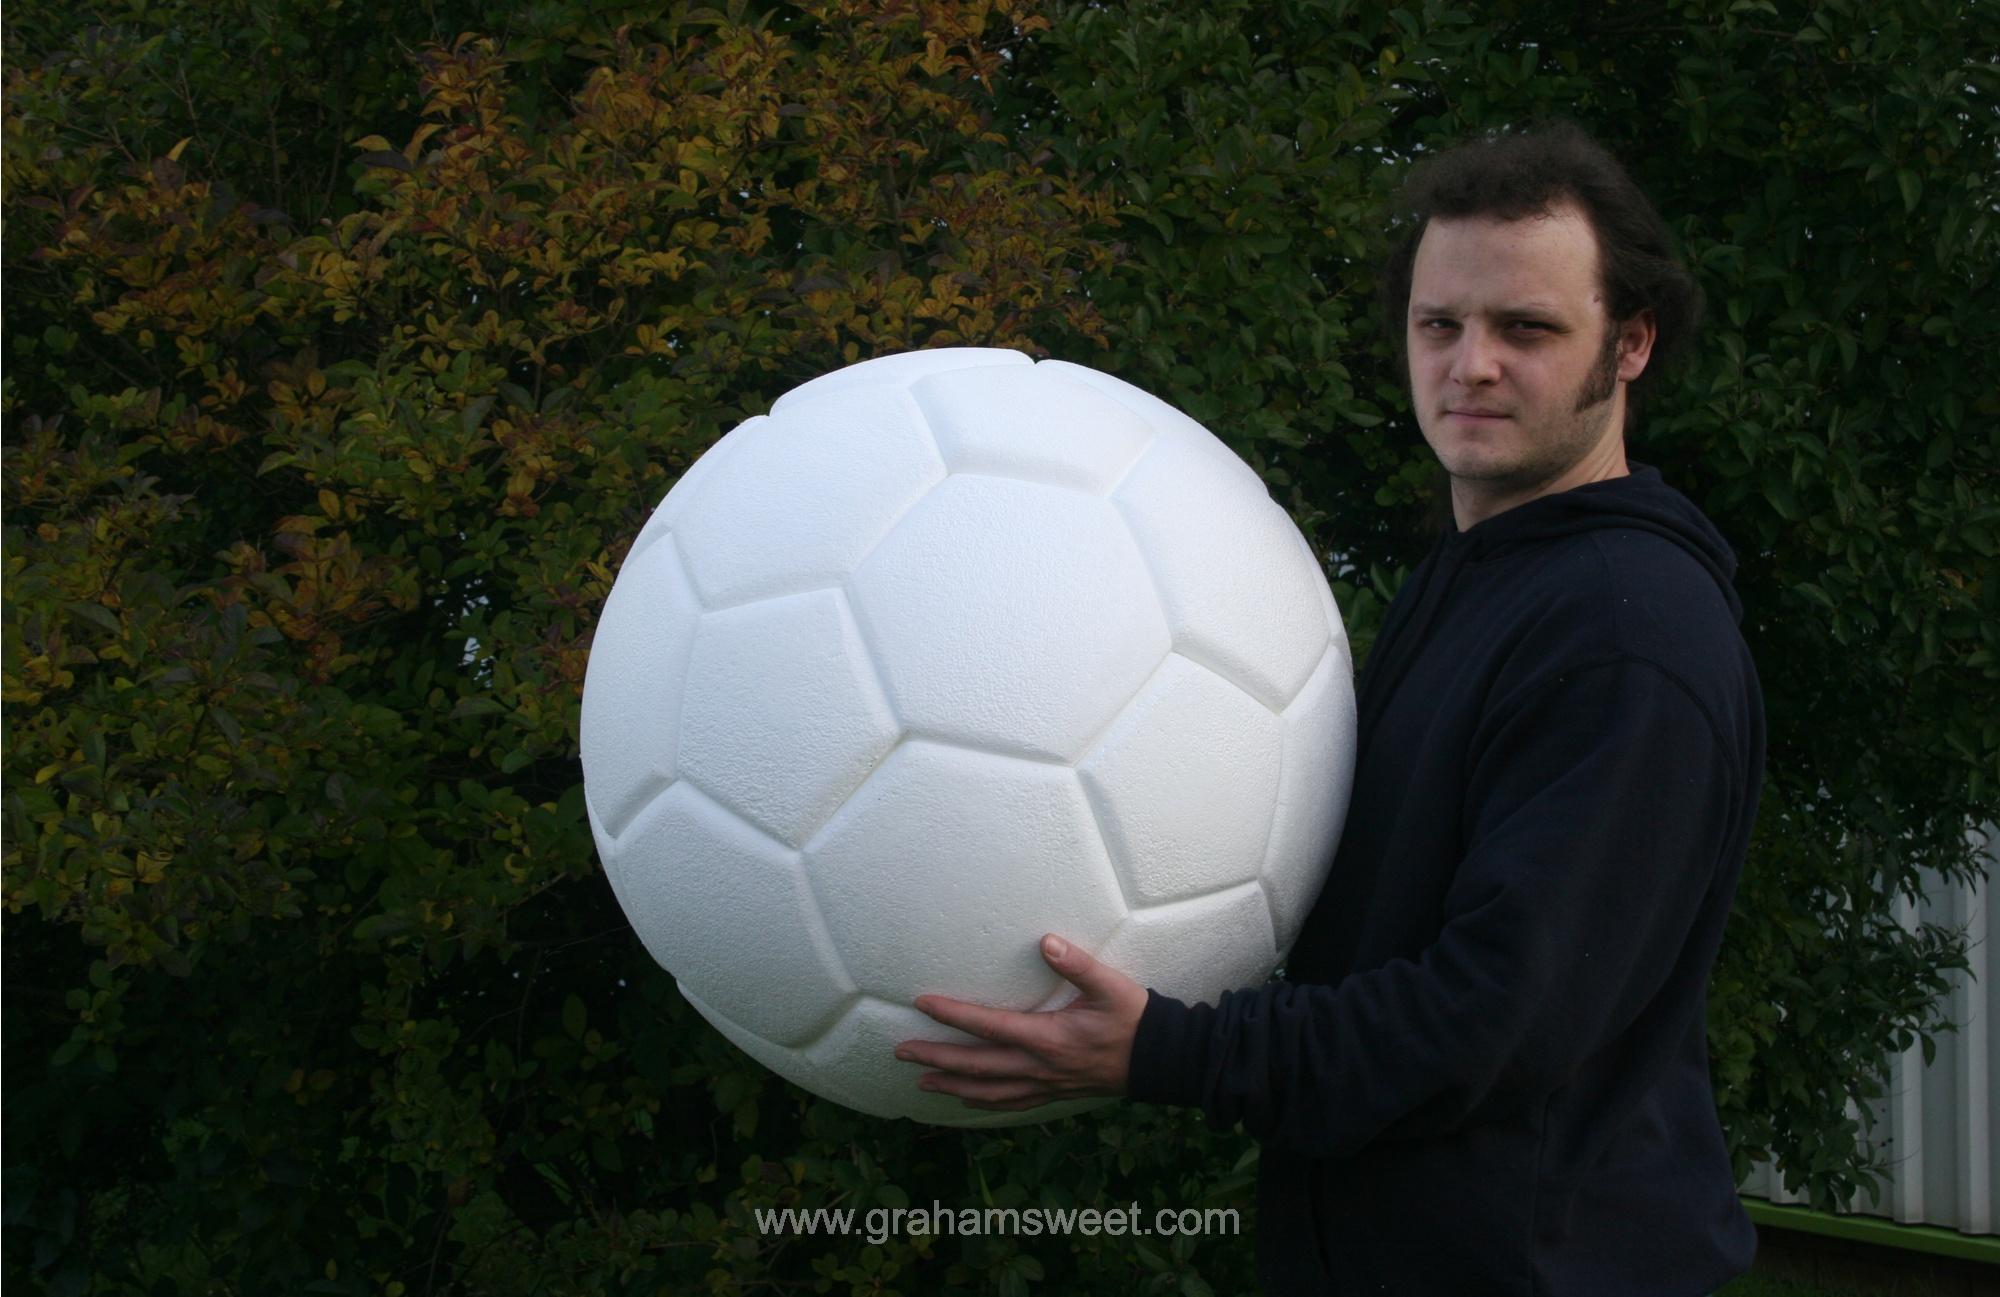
column 1487, row 1070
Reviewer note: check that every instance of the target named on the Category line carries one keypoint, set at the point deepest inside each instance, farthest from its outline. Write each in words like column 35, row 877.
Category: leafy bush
column 338, row 385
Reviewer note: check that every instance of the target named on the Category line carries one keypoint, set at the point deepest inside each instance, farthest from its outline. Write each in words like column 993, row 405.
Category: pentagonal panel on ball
column 1313, row 790
column 1010, row 615
column 900, row 370
column 783, row 717
column 632, row 686
column 1035, row 424
column 727, row 911
column 1196, row 949
column 943, row 872
column 799, row 503
column 1184, row 783
column 1239, row 593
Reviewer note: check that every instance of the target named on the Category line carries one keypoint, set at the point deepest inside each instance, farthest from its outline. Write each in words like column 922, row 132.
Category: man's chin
column 1498, row 479
column 1492, row 471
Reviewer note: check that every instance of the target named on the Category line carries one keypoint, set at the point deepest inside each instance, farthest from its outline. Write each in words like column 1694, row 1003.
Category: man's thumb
column 1073, row 962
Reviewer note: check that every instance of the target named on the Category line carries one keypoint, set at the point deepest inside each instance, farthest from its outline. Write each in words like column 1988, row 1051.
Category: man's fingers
column 1000, row 1025
column 1010, row 1095
column 971, row 1060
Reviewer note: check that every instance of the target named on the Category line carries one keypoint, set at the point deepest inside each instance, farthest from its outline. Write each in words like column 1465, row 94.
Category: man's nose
column 1476, row 359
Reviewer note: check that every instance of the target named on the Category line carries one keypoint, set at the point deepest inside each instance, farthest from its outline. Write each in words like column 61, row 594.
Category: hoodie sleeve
column 1597, row 808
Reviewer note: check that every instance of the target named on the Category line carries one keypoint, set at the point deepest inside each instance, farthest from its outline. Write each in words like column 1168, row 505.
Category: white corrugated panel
column 1936, row 1127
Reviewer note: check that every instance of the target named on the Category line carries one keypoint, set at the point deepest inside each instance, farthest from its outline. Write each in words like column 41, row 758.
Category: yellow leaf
column 329, row 504
column 373, row 143
column 174, row 153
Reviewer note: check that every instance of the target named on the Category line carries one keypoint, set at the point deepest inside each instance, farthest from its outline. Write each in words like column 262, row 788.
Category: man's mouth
column 1477, row 414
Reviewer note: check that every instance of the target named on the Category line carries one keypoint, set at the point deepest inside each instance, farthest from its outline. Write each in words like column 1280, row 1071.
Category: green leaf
column 1783, row 499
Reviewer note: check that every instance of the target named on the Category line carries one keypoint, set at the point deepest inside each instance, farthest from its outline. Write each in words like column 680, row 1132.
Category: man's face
column 1516, row 370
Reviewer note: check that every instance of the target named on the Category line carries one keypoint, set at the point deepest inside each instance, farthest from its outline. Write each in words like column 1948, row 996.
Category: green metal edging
column 1885, row 1233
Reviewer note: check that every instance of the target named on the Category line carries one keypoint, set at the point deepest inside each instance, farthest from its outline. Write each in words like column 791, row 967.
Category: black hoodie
column 1487, row 1068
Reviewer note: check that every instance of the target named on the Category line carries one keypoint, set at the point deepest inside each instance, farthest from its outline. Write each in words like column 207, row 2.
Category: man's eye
column 1530, row 326
column 1437, row 326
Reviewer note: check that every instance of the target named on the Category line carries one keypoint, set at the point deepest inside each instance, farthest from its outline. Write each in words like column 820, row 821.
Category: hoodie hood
column 1640, row 501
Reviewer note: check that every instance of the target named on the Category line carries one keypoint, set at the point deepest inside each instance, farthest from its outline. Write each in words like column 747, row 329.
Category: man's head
column 1535, row 294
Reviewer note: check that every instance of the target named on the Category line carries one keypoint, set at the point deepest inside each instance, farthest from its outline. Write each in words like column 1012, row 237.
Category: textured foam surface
column 1319, row 754
column 1051, row 574
column 943, row 861
column 1259, row 623
column 782, row 716
column 1201, row 945
column 632, row 696
column 1184, row 783
column 950, row 650
column 702, row 888
column 1022, row 423
column 799, row 505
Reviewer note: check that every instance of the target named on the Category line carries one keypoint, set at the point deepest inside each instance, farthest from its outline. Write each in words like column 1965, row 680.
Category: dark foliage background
column 347, row 347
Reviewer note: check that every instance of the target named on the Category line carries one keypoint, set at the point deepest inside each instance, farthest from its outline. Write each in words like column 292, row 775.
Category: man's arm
column 1597, row 810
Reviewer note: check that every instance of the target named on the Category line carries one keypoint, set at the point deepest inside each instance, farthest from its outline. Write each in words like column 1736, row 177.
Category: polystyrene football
column 950, row 650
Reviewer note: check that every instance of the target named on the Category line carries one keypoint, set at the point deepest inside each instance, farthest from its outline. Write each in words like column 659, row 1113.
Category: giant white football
column 950, row 650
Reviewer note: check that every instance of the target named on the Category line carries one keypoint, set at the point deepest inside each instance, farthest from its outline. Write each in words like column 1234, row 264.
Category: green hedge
column 337, row 382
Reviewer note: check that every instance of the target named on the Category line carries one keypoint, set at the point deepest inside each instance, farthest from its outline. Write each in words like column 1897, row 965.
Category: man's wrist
column 1167, row 1057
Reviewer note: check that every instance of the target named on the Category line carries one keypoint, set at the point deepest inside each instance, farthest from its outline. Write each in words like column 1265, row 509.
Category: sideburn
column 1602, row 381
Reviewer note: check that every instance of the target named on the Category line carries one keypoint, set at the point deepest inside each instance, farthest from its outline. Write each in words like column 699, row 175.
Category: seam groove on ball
column 991, row 356
column 632, row 807
column 814, row 918
column 688, row 484
column 650, row 792
column 823, row 939
column 1191, row 653
column 826, row 1026
column 1070, row 487
column 1090, row 744
column 716, row 1018
column 1330, row 612
column 1152, row 444
column 1165, row 909
column 894, row 523
column 1271, row 911
column 1145, row 559
column 787, row 592
column 680, row 561
column 1023, row 753
column 1194, row 654
column 641, row 542
column 1127, row 888
column 869, row 651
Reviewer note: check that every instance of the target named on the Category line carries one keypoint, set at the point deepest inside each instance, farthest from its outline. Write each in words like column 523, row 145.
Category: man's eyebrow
column 1520, row 310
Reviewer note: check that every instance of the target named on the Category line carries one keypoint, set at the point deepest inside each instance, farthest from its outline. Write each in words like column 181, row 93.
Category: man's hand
column 1082, row 1050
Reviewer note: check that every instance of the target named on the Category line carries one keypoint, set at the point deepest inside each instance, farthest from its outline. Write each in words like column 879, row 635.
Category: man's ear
column 1635, row 345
